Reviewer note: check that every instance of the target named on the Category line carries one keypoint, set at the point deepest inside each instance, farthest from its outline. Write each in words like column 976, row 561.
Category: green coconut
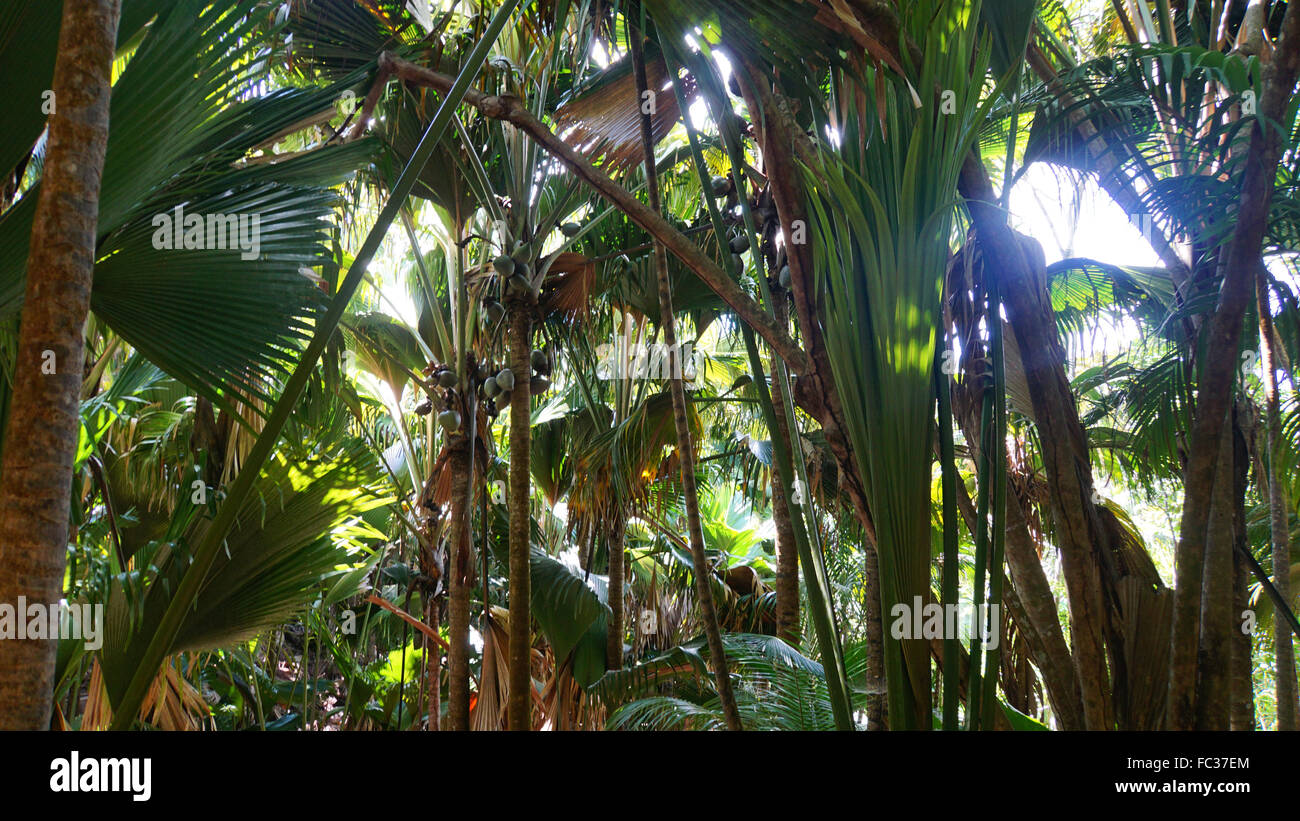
column 449, row 420
column 506, row 379
column 541, row 362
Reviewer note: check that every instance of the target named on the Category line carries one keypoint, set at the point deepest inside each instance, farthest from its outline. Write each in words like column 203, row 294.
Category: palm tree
column 37, row 467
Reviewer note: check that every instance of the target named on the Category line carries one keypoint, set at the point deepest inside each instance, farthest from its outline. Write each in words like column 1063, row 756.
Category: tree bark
column 685, row 448
column 519, row 709
column 614, row 636
column 41, row 437
column 433, row 667
column 460, row 562
column 1212, row 685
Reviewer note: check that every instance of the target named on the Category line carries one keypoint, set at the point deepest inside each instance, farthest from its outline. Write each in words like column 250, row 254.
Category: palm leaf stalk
column 128, row 704
column 949, row 479
column 819, row 603
column 999, row 491
column 686, row 457
column 983, row 474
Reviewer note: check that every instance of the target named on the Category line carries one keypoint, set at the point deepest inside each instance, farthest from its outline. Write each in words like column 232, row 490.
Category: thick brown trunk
column 41, row 437
column 685, row 450
column 519, row 709
column 1240, row 263
column 460, row 562
column 614, row 636
column 1212, row 687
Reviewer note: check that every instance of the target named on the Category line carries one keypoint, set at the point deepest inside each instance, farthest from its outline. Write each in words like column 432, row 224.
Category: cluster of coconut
column 441, row 378
column 498, row 385
column 738, row 238
column 517, row 275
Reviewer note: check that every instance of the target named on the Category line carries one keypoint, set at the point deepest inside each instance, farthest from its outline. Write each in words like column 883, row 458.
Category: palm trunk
column 519, row 708
column 787, row 551
column 42, row 432
column 1212, row 693
column 787, row 568
column 1241, row 678
column 614, row 636
column 1278, row 505
column 434, row 668
column 685, row 448
column 460, row 563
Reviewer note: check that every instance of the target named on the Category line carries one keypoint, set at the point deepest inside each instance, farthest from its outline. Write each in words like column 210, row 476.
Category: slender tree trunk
column 1240, row 264
column 1278, row 505
column 787, row 551
column 434, row 667
column 787, row 568
column 685, row 448
column 1241, row 685
column 460, row 562
column 874, row 630
column 41, row 436
column 519, row 710
column 614, row 636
